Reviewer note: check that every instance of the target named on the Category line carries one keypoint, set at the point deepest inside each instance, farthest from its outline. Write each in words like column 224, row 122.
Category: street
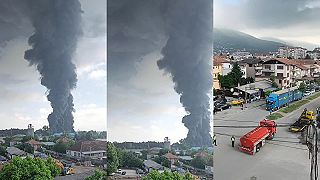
column 282, row 158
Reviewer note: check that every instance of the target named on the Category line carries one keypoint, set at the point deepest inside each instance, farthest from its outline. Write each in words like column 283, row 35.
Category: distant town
column 78, row 154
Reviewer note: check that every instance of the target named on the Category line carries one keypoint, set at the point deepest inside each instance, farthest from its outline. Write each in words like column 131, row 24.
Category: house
column 171, row 157
column 90, row 149
column 251, row 67
column 280, row 68
column 217, row 70
column 49, row 144
column 201, row 154
column 150, row 165
column 13, row 151
column 35, row 144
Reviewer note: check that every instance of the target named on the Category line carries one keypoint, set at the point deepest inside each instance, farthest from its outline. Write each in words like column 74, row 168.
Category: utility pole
column 312, row 143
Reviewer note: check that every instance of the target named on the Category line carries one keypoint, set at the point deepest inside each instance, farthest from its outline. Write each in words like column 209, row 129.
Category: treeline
column 138, row 145
column 12, row 132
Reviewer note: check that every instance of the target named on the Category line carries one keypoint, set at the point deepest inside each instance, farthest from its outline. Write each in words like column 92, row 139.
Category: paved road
column 276, row 160
column 81, row 173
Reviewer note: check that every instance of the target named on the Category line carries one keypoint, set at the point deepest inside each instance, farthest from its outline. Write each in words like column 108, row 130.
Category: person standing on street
column 232, row 140
column 214, row 139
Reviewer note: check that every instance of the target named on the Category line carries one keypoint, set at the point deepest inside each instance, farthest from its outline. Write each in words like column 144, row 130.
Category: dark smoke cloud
column 135, row 28
column 56, row 31
column 183, row 28
column 187, row 57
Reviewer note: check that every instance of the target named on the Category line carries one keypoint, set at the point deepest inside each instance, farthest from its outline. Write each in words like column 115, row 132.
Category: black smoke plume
column 56, row 30
column 187, row 57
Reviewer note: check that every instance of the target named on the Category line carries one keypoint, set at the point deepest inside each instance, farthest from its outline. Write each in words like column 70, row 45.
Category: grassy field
column 274, row 116
column 300, row 103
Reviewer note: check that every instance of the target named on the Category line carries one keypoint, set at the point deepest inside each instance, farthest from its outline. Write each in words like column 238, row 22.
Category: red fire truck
column 255, row 139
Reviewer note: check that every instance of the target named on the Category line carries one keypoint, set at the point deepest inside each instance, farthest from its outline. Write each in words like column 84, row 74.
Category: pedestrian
column 232, row 141
column 241, row 105
column 214, row 140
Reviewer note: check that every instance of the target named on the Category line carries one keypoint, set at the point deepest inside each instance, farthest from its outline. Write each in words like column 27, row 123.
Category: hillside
column 226, row 40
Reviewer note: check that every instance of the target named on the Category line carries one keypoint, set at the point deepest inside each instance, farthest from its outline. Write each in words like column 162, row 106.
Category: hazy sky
column 22, row 97
column 290, row 20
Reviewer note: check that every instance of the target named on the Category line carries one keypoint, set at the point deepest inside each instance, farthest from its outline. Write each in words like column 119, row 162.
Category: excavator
column 65, row 170
column 305, row 119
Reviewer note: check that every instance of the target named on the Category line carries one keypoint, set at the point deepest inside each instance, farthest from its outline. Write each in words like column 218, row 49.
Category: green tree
column 3, row 151
column 226, row 81
column 199, row 162
column 98, row 175
column 302, row 87
column 236, row 74
column 163, row 161
column 62, row 145
column 26, row 147
column 29, row 168
column 273, row 81
column 112, row 158
column 308, row 56
column 163, row 152
column 155, row 175
column 129, row 159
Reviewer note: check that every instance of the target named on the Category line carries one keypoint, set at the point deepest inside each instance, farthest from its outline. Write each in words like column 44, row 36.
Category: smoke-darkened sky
column 290, row 20
column 22, row 97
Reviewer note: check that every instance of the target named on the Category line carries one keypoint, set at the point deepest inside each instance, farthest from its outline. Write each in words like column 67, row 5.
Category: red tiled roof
column 86, row 146
column 218, row 60
column 33, row 142
column 201, row 154
column 171, row 156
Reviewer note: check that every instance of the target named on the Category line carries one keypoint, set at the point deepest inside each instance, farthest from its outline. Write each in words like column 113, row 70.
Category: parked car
column 237, row 102
column 139, row 171
column 307, row 93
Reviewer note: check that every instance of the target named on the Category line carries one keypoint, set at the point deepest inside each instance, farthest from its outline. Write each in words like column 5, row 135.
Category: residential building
column 251, row 67
column 13, row 151
column 171, row 157
column 292, row 52
column 241, row 55
column 217, row 70
column 150, row 165
column 280, row 68
column 315, row 54
column 90, row 149
column 35, row 144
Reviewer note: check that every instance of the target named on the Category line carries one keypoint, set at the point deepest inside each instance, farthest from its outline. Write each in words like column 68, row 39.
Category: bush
column 98, row 175
column 155, row 175
column 29, row 168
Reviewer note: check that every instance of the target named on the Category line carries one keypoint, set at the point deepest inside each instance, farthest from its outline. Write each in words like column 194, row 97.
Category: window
column 287, row 74
column 250, row 65
column 280, row 81
column 287, row 67
column 280, row 75
column 267, row 67
column 279, row 67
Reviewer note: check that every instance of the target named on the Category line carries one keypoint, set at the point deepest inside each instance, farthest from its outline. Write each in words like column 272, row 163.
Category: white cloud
column 90, row 117
column 98, row 74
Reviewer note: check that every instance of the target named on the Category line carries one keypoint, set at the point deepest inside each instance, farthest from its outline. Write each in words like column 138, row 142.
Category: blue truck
column 281, row 98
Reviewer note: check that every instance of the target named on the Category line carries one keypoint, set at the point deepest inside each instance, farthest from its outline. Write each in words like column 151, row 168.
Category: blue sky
column 23, row 100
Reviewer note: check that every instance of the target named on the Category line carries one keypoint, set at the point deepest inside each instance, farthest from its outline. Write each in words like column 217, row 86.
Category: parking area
column 282, row 158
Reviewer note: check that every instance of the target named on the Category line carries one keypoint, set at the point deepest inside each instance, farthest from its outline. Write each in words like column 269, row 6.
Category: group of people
column 215, row 140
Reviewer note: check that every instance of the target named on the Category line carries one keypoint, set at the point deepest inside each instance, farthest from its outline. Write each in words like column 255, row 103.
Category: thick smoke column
column 187, row 56
column 56, row 31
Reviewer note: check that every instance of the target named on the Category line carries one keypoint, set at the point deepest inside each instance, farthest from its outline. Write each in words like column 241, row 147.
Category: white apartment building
column 280, row 68
column 294, row 52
